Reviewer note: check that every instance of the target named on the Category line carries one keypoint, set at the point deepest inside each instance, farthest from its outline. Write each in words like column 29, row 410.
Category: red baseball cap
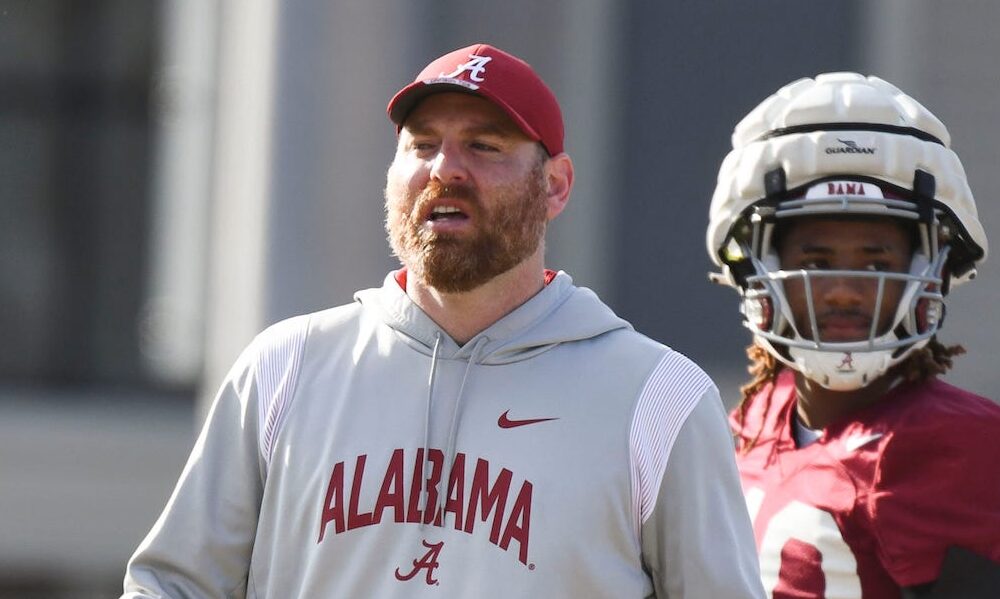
column 501, row 78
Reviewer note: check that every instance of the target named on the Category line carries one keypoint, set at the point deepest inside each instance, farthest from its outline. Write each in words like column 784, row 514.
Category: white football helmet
column 842, row 144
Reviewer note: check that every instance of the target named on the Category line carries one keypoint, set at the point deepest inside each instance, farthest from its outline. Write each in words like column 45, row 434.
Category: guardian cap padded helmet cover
column 842, row 144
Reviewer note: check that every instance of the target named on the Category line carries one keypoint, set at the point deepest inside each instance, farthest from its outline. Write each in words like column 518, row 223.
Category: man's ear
column 558, row 183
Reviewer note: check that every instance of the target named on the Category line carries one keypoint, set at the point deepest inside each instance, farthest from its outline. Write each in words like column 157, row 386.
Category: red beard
column 506, row 234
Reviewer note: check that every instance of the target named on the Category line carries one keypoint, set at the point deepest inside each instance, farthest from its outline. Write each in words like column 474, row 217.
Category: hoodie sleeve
column 202, row 542
column 696, row 536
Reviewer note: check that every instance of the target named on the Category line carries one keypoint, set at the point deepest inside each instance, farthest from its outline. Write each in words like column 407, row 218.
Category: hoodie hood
column 560, row 312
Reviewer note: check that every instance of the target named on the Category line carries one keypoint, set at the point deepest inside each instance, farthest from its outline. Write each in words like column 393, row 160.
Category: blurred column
column 183, row 108
column 337, row 65
column 301, row 151
column 587, row 82
column 241, row 183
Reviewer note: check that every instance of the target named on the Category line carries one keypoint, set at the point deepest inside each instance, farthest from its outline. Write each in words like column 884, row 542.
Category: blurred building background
column 176, row 175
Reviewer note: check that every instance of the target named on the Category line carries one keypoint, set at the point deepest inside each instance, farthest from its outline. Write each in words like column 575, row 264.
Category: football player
column 843, row 219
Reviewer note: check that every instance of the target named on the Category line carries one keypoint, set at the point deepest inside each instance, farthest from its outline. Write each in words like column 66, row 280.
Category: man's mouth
column 447, row 214
column 844, row 327
column 448, row 218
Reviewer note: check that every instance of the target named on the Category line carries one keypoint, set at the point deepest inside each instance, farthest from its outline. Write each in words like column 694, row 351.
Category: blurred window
column 76, row 193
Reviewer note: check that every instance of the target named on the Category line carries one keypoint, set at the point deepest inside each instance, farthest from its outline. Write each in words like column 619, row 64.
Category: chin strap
column 841, row 371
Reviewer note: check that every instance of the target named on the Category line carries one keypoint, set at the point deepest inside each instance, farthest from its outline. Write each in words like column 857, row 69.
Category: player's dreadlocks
column 932, row 360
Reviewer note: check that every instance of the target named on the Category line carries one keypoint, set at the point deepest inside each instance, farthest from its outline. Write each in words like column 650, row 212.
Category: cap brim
column 407, row 98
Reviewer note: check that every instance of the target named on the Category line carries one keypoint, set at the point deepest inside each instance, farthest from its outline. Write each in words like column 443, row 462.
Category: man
column 478, row 426
column 843, row 219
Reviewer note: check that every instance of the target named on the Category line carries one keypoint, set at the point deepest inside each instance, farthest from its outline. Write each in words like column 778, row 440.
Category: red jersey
column 873, row 504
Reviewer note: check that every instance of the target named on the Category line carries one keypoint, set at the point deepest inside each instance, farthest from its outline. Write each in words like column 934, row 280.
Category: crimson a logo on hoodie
column 481, row 499
column 429, row 562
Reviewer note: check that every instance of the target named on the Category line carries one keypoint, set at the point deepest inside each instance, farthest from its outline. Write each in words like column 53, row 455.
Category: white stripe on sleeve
column 670, row 393
column 277, row 370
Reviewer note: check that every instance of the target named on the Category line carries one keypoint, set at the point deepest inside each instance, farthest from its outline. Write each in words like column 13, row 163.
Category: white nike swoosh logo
column 857, row 441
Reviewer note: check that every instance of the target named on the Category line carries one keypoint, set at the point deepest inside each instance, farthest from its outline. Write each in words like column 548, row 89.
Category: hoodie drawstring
column 425, row 469
column 449, row 455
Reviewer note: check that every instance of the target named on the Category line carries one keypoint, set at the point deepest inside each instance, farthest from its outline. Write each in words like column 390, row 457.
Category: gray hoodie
column 361, row 452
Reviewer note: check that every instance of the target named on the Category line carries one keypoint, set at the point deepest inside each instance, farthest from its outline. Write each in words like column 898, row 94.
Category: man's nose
column 449, row 164
column 844, row 292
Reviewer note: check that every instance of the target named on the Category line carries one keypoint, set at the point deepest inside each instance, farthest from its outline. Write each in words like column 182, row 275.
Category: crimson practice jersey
column 873, row 504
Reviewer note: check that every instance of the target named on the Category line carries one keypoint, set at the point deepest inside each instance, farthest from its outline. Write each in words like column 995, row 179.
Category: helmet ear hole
column 759, row 312
column 922, row 315
column 930, row 314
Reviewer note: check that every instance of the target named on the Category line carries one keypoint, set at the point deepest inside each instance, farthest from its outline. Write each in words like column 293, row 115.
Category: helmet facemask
column 798, row 340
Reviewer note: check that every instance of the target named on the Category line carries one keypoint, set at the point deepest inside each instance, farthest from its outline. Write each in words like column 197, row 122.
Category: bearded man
column 476, row 427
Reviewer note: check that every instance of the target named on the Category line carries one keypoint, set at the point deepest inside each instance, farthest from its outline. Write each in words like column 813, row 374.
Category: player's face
column 845, row 306
column 465, row 193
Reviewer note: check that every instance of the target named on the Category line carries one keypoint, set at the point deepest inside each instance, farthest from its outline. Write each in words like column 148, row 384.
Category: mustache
column 462, row 191
column 843, row 313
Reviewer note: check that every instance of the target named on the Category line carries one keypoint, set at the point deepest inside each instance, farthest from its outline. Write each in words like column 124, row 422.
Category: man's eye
column 880, row 267
column 422, row 144
column 814, row 265
column 484, row 147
